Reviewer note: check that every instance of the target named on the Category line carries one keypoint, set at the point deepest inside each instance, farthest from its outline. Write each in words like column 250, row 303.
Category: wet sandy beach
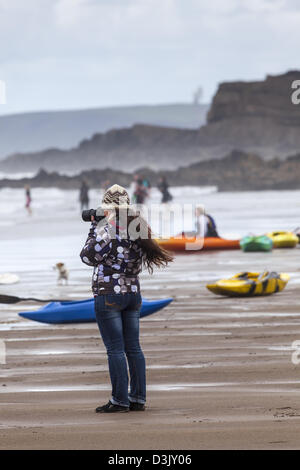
column 219, row 373
column 219, row 370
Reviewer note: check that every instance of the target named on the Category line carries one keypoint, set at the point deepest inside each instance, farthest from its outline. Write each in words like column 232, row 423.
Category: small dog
column 63, row 274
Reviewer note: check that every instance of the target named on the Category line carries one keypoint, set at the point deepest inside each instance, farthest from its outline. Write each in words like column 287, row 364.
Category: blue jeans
column 118, row 318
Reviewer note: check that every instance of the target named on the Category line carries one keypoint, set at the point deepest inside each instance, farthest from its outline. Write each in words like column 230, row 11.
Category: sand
column 219, row 370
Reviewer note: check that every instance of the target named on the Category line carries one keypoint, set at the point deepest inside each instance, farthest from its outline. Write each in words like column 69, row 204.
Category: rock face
column 125, row 149
column 256, row 117
column 268, row 99
column 238, row 171
column 65, row 129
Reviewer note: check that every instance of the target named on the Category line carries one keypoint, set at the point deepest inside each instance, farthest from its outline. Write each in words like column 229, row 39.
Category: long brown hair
column 153, row 254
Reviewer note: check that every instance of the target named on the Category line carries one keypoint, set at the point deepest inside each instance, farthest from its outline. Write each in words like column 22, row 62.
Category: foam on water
column 237, row 213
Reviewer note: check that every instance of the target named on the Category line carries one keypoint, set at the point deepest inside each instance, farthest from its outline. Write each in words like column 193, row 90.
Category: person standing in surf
column 164, row 189
column 84, row 195
column 28, row 199
column 117, row 255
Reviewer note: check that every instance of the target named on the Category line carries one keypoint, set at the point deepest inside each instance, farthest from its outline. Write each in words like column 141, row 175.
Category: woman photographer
column 118, row 257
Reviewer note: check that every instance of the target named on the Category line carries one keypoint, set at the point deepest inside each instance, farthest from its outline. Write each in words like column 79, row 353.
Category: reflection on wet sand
column 219, row 370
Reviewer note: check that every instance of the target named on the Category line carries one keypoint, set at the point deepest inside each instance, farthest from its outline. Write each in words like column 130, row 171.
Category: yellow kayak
column 283, row 239
column 250, row 284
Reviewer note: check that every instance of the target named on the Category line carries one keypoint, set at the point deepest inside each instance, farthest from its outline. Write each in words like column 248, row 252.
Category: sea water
column 236, row 213
column 31, row 245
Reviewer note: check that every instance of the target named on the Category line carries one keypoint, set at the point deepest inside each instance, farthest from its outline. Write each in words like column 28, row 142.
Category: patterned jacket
column 117, row 260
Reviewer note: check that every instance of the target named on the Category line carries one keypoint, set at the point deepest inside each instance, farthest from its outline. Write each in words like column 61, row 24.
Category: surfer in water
column 117, row 247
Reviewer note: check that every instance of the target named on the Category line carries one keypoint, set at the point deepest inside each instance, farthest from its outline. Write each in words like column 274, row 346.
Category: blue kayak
column 82, row 311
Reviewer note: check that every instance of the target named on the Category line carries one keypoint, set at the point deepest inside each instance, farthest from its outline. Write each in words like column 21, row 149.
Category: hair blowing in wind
column 154, row 255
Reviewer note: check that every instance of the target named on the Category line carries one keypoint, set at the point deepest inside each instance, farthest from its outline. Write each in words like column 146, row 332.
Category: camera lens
column 88, row 214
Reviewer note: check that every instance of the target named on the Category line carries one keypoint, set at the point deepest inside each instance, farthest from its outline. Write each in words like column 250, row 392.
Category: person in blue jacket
column 205, row 224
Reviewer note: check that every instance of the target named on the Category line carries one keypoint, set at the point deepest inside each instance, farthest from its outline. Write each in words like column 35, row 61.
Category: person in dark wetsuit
column 164, row 189
column 84, row 195
column 209, row 229
column 117, row 257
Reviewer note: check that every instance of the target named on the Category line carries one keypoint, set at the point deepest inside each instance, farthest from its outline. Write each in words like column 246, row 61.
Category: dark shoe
column 136, row 406
column 111, row 408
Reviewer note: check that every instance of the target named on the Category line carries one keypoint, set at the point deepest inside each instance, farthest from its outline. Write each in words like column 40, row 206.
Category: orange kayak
column 190, row 244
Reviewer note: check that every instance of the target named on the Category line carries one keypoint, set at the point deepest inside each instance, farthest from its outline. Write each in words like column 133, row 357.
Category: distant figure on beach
column 164, row 189
column 147, row 186
column 140, row 192
column 117, row 258
column 205, row 225
column 146, row 182
column 28, row 199
column 84, row 195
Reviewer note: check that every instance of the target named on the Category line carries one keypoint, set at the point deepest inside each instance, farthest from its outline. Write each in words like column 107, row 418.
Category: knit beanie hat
column 115, row 197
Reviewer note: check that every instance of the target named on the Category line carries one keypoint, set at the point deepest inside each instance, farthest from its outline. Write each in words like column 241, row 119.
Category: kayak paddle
column 11, row 299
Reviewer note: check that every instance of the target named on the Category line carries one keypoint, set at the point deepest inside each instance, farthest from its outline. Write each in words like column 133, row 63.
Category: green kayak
column 260, row 243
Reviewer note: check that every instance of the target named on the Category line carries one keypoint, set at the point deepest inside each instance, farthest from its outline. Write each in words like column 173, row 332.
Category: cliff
column 238, row 171
column 125, row 149
column 35, row 131
column 256, row 117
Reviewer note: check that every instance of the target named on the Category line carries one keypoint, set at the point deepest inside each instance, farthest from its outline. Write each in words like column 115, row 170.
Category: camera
column 88, row 214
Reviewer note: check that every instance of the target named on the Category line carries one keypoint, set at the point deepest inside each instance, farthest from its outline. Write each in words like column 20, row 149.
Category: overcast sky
column 60, row 54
